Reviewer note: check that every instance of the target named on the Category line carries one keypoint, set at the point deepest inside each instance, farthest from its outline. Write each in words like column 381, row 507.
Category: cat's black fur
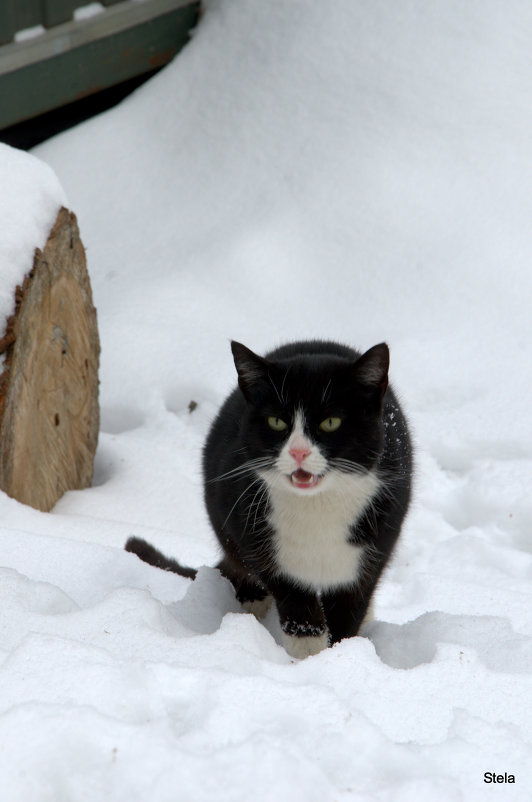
column 291, row 541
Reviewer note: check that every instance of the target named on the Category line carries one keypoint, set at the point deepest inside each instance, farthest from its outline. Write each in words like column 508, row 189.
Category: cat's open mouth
column 304, row 480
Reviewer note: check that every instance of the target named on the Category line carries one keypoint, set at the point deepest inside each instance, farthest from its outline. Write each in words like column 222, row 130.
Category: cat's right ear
column 371, row 370
column 252, row 369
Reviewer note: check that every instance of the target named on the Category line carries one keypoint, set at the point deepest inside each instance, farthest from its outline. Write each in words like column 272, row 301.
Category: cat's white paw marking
column 258, row 608
column 301, row 647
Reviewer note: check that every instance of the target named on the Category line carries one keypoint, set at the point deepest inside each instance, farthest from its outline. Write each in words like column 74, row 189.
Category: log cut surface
column 49, row 414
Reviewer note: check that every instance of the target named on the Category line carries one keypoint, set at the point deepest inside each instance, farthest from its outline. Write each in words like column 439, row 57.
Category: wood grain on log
column 49, row 414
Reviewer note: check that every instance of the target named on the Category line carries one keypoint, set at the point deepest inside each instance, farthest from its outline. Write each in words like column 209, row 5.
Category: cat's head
column 316, row 413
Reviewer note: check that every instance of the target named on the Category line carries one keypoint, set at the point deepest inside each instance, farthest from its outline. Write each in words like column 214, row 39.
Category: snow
column 88, row 11
column 360, row 174
column 29, row 33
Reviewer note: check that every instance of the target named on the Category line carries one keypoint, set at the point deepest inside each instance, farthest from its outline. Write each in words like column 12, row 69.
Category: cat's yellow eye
column 330, row 424
column 277, row 424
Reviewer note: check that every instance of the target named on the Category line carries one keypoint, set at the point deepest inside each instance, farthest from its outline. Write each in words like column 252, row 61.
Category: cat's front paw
column 258, row 607
column 301, row 646
column 369, row 616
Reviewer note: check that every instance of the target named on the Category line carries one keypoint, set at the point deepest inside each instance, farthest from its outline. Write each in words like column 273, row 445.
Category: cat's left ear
column 252, row 369
column 371, row 369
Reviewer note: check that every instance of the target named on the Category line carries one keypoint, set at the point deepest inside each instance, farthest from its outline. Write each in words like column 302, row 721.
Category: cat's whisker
column 242, row 470
column 264, row 492
column 254, row 503
column 347, row 465
column 282, row 385
column 275, row 388
column 258, row 479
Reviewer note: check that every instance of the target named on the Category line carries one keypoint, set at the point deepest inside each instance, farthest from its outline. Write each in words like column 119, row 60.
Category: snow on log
column 49, row 414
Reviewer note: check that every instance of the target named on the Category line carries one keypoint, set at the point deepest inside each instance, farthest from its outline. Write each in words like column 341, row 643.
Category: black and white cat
column 307, row 471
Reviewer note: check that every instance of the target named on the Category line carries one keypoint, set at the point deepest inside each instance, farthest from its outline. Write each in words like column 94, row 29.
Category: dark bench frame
column 74, row 58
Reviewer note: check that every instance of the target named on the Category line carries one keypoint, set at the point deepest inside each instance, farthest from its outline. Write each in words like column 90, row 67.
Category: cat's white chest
column 311, row 532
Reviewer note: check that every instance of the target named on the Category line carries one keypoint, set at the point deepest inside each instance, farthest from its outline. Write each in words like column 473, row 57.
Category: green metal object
column 54, row 12
column 79, row 57
column 7, row 22
column 28, row 13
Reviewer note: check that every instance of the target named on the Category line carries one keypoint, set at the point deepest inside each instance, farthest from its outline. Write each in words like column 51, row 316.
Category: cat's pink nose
column 299, row 453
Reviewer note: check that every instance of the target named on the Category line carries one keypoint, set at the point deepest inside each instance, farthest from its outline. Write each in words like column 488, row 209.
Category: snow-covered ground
column 353, row 170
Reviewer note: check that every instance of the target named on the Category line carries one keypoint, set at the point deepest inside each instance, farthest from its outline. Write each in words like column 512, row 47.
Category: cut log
column 49, row 414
